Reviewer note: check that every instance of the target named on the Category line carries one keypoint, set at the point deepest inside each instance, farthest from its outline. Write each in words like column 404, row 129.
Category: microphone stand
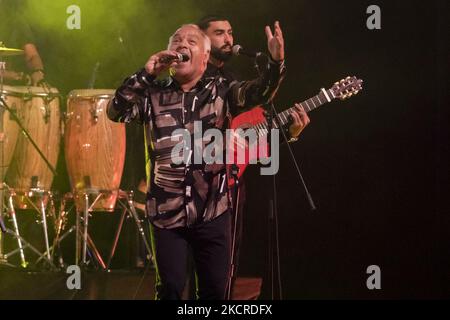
column 235, row 208
column 294, row 160
column 2, row 186
column 272, row 118
column 273, row 212
column 2, row 189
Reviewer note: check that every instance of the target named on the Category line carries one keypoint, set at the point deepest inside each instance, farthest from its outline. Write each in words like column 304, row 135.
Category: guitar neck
column 323, row 97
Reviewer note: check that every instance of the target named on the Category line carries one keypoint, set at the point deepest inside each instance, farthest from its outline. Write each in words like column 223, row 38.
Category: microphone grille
column 235, row 49
column 184, row 57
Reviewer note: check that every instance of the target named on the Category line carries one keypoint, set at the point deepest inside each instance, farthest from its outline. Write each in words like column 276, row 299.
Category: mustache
column 227, row 46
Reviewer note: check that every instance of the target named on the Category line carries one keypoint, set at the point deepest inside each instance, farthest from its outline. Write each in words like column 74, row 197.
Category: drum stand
column 84, row 242
column 60, row 225
column 82, row 235
column 129, row 210
column 21, row 242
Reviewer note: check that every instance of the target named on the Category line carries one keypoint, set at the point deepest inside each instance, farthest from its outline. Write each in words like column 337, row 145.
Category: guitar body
column 244, row 121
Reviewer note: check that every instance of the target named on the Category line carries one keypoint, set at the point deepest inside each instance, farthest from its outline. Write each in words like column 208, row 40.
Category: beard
column 221, row 55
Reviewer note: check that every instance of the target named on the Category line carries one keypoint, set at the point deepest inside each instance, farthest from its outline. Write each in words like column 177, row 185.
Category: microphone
column 238, row 50
column 181, row 57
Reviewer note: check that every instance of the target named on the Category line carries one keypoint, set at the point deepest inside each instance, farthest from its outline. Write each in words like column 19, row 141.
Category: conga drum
column 9, row 129
column 94, row 149
column 40, row 115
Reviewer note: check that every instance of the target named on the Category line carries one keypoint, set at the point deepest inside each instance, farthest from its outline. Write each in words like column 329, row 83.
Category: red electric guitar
column 255, row 119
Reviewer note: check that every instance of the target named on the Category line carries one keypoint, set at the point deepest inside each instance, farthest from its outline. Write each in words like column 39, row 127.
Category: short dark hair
column 204, row 22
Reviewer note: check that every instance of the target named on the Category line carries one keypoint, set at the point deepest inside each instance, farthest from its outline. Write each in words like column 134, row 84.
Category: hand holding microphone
column 164, row 60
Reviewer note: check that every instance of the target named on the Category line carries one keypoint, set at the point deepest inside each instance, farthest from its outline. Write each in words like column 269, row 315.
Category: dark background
column 374, row 164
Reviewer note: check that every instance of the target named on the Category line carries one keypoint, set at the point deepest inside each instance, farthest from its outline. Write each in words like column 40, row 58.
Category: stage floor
column 115, row 285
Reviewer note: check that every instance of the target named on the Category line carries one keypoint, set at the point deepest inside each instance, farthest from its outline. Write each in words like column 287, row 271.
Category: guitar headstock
column 347, row 87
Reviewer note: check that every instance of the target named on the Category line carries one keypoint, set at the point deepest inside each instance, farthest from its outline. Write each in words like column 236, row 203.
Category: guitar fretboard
column 284, row 117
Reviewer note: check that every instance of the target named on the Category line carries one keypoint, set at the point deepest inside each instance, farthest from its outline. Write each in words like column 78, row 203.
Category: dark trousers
column 210, row 244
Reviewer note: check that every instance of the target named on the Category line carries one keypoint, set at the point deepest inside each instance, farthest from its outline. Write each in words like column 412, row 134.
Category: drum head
column 91, row 93
column 13, row 91
column 23, row 91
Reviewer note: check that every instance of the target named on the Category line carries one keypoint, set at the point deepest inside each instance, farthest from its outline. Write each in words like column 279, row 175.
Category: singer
column 188, row 204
